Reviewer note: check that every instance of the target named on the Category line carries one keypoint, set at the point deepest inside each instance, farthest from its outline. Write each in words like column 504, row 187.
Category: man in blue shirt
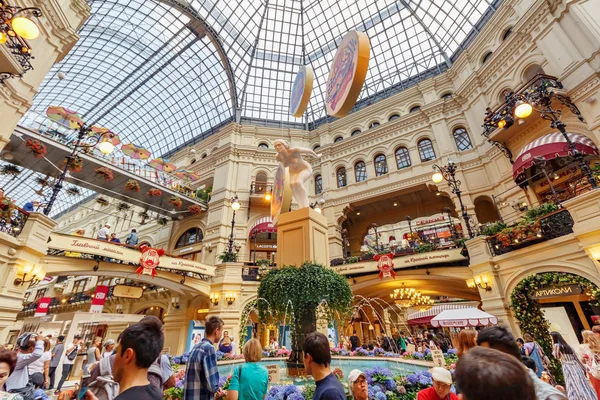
column 132, row 238
column 201, row 375
column 31, row 206
column 317, row 358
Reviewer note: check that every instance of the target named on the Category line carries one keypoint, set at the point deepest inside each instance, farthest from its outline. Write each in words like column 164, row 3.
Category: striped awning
column 263, row 225
column 423, row 317
column 550, row 147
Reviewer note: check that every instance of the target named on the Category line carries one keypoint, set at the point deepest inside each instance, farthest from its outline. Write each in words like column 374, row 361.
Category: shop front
column 263, row 241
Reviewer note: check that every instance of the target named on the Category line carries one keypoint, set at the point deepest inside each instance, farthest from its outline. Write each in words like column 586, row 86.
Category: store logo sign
column 556, row 291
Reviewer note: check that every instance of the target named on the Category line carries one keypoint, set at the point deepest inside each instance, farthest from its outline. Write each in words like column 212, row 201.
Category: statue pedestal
column 302, row 236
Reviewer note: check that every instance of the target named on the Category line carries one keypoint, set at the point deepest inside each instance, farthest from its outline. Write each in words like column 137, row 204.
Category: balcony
column 13, row 224
column 556, row 224
column 260, row 188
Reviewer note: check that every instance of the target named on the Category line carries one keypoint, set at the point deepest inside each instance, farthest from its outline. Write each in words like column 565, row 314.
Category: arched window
column 192, row 161
column 317, row 147
column 393, row 117
column 381, row 167
column 355, row 132
column 191, row 236
column 507, row 33
column 374, row 124
column 263, row 145
column 360, row 171
column 203, row 155
column 426, row 150
column 531, row 71
column 260, row 183
column 318, row 184
column 338, row 139
column 402, row 157
column 486, row 57
column 341, row 177
column 461, row 137
column 447, row 95
column 415, row 109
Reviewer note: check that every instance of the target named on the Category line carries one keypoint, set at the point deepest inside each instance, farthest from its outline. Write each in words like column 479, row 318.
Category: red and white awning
column 263, row 225
column 463, row 318
column 424, row 317
column 550, row 147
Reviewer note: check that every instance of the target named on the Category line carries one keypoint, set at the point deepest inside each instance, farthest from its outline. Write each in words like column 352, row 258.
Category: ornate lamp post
column 105, row 147
column 235, row 205
column 375, row 226
column 409, row 219
column 448, row 173
column 448, row 211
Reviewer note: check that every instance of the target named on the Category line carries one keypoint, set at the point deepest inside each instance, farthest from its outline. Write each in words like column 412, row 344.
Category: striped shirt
column 201, row 375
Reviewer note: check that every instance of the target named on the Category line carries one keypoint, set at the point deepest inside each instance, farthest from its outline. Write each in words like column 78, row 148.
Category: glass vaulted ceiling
column 160, row 73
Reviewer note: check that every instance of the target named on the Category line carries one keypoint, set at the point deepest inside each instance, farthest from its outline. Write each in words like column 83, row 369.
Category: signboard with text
column 438, row 358
column 273, row 373
column 99, row 299
column 128, row 292
column 555, row 291
column 441, row 256
column 42, row 308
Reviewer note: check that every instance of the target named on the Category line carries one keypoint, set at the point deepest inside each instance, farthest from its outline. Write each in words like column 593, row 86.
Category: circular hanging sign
column 347, row 74
column 301, row 90
column 282, row 193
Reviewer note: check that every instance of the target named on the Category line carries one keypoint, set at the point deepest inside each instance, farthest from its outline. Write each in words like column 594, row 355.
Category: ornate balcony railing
column 551, row 226
column 13, row 225
column 250, row 273
column 261, row 188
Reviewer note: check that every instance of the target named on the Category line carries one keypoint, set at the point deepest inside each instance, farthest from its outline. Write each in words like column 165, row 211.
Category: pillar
column 302, row 236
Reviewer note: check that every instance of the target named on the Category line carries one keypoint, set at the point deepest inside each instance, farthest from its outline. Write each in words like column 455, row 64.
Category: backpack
column 104, row 387
column 71, row 356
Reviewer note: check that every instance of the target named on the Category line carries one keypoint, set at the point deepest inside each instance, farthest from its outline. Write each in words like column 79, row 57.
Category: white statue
column 299, row 169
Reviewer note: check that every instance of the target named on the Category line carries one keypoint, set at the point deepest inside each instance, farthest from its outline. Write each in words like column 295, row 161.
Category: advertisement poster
column 99, row 299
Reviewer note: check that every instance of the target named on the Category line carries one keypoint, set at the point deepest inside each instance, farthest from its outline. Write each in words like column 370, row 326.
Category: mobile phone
column 82, row 392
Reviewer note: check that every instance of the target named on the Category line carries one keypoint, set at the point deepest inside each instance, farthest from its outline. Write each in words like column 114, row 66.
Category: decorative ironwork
column 448, row 173
column 551, row 226
column 15, row 223
column 250, row 274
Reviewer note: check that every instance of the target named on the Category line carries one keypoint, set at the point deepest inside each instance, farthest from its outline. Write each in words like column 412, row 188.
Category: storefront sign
column 556, row 291
column 128, row 292
column 440, row 256
column 42, row 308
column 76, row 244
column 266, row 246
column 273, row 373
column 438, row 358
column 99, row 299
column 430, row 221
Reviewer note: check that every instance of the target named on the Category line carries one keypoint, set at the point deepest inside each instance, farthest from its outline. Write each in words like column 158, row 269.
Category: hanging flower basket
column 36, row 147
column 7, row 206
column 132, row 185
column 75, row 166
column 195, row 209
column 104, row 173
column 162, row 221
column 154, row 192
column 123, row 207
column 10, row 169
column 176, row 201
column 102, row 201
column 73, row 191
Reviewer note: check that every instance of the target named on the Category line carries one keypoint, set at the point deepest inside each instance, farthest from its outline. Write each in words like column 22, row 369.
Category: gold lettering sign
column 129, row 292
column 555, row 291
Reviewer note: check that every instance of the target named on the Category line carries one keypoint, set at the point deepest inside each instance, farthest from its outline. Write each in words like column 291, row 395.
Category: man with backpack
column 30, row 348
column 70, row 355
column 57, row 353
column 134, row 371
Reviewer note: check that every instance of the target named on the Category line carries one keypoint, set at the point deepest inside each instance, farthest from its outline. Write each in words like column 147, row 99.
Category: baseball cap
column 353, row 376
column 440, row 374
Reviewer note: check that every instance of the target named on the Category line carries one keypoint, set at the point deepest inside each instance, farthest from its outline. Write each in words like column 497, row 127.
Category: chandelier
column 423, row 303
column 404, row 296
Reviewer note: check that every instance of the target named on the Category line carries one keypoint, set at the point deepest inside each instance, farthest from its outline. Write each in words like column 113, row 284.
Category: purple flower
column 380, row 396
column 219, row 355
column 418, row 355
column 412, row 379
column 390, row 384
column 452, row 351
column 425, row 381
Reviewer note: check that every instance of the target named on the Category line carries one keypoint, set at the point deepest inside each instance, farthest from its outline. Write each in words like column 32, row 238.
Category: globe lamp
column 523, row 109
column 106, row 147
column 437, row 177
column 25, row 27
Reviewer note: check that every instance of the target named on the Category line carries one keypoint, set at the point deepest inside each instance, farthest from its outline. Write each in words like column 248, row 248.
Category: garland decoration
column 7, row 206
column 529, row 313
column 73, row 191
column 104, row 173
column 132, row 185
column 37, row 148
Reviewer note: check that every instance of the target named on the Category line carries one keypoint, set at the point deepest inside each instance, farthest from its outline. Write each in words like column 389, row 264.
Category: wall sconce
column 371, row 327
column 230, row 298
column 208, row 247
column 480, row 282
column 175, row 302
column 520, row 206
column 119, row 308
column 34, row 273
column 237, row 247
column 214, row 298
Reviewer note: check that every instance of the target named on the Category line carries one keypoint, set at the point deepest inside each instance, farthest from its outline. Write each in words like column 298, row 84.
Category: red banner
column 99, row 299
column 42, row 308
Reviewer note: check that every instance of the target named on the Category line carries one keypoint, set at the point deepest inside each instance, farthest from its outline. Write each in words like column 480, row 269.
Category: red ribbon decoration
column 149, row 260
column 385, row 265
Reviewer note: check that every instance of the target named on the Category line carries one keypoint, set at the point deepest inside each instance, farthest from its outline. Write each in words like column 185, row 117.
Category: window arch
column 486, row 57
column 261, row 177
column 374, row 124
column 317, row 147
column 531, row 71
column 191, row 236
column 414, row 109
column 203, row 156
column 393, row 117
column 338, row 139
column 355, row 132
column 507, row 33
column 360, row 171
column 402, row 157
column 426, row 150
column 192, row 161
column 462, row 139
column 318, row 184
column 263, row 145
column 381, row 167
column 341, row 177
column 447, row 95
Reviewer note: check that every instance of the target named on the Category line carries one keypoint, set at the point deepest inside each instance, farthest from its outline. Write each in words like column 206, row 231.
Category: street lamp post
column 448, row 173
column 448, row 211
column 235, row 205
column 375, row 226
column 105, row 147
column 408, row 219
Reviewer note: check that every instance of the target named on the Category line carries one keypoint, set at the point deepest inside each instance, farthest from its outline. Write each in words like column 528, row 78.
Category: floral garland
column 529, row 313
column 132, row 185
column 176, row 201
column 195, row 209
column 153, row 192
column 104, row 173
column 37, row 147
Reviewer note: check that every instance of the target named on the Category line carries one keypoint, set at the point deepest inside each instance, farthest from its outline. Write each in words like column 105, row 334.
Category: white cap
column 353, row 376
column 440, row 374
column 107, row 224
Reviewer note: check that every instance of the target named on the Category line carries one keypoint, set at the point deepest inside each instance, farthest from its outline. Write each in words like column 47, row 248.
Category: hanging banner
column 385, row 265
column 99, row 299
column 42, row 308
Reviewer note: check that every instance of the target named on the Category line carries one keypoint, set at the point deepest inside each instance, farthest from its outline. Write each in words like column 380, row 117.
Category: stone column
column 228, row 279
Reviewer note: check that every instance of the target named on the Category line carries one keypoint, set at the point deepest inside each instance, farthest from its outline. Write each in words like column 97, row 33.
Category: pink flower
column 452, row 366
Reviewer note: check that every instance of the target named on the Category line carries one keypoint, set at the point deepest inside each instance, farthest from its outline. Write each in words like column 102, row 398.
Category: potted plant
column 123, row 207
column 162, row 221
column 37, row 148
column 195, row 209
column 10, row 169
column 176, row 201
column 104, row 173
column 227, row 256
column 132, row 185
column 153, row 192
